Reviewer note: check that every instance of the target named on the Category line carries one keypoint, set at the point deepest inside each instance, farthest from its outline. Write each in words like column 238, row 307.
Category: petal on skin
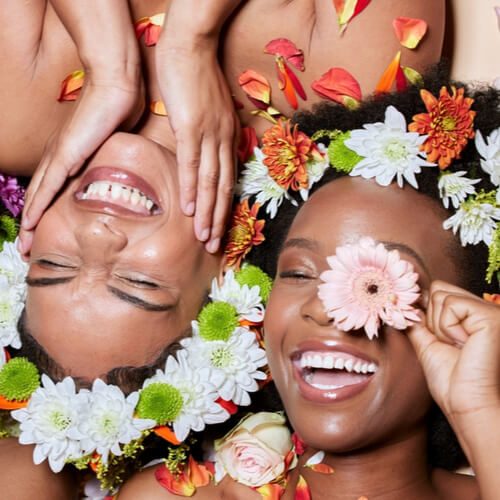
column 166, row 433
column 347, row 10
column 270, row 491
column 198, row 474
column 302, row 491
column 413, row 76
column 177, row 484
column 285, row 83
column 299, row 443
column 150, row 27
column 295, row 82
column 323, row 468
column 409, row 31
column 337, row 84
column 255, row 86
column 71, row 86
column 492, row 297
column 401, row 83
column 386, row 81
column 158, row 108
column 287, row 49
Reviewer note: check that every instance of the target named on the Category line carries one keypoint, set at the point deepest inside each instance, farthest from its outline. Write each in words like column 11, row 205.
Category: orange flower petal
column 285, row 83
column 288, row 50
column 229, row 406
column 337, row 84
column 95, row 461
column 347, row 10
column 178, row 484
column 71, row 86
column 248, row 142
column 158, row 108
column 5, row 404
column 302, row 491
column 299, row 444
column 323, row 468
column 198, row 474
column 166, row 433
column 150, row 27
column 409, row 31
column 386, row 81
column 295, row 82
column 271, row 491
column 492, row 297
column 256, row 87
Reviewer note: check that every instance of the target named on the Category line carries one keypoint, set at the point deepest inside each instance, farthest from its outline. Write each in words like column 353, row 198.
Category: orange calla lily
column 158, row 108
column 286, row 49
column 166, row 433
column 492, row 297
column 71, row 86
column 347, row 10
column 150, row 27
column 338, row 85
column 322, row 468
column 302, row 491
column 256, row 87
column 271, row 491
column 387, row 80
column 409, row 31
column 5, row 404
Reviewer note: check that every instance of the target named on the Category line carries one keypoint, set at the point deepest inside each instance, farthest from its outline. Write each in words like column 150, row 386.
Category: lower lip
column 328, row 396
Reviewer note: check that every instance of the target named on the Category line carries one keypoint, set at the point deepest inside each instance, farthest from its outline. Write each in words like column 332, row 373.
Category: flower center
column 221, row 357
column 372, row 289
column 448, row 123
column 5, row 312
column 107, row 424
column 395, row 150
column 59, row 421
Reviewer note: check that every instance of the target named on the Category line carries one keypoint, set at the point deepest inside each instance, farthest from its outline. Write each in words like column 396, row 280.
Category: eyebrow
column 131, row 299
column 304, row 243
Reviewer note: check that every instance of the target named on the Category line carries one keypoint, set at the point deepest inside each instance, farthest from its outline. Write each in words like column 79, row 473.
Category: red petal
column 151, row 35
column 299, row 443
column 71, row 86
column 285, row 83
column 409, row 31
column 295, row 82
column 386, row 81
column 229, row 406
column 198, row 474
column 336, row 84
column 348, row 9
column 210, row 467
column 323, row 468
column 271, row 491
column 140, row 26
column 401, row 83
column 150, row 27
column 255, row 86
column 302, row 491
column 288, row 50
column 248, row 142
column 178, row 484
column 237, row 104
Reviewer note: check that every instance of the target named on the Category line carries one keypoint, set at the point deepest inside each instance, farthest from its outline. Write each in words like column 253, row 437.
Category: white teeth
column 330, row 361
column 116, row 191
column 149, row 204
column 103, row 188
column 135, row 197
column 364, row 368
column 348, row 365
column 357, row 367
column 339, row 364
column 372, row 367
column 126, row 192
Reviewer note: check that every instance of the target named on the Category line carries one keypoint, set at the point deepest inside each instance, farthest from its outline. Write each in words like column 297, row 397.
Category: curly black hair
column 444, row 450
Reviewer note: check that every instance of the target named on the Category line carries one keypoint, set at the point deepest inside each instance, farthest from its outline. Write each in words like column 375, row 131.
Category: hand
column 458, row 345
column 206, row 128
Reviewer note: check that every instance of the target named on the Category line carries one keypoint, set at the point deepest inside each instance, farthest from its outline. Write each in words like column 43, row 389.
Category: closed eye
column 53, row 265
column 296, row 274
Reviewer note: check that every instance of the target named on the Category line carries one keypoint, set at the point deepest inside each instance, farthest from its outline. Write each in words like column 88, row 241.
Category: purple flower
column 12, row 194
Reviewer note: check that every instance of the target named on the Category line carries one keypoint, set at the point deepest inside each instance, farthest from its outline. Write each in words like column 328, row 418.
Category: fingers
column 188, row 160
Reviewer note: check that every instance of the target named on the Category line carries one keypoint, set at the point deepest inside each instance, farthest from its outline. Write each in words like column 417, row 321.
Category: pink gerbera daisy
column 367, row 284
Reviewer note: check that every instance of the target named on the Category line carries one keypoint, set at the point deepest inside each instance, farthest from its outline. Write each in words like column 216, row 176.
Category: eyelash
column 145, row 284
column 297, row 275
column 46, row 262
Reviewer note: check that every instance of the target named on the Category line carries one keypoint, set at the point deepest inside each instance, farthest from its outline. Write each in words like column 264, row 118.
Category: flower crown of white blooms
column 214, row 370
column 385, row 151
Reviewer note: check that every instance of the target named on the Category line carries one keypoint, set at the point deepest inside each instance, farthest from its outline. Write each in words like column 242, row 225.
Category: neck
column 396, row 470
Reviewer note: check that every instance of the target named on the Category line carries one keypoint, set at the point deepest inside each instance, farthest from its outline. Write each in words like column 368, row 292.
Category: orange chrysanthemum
column 244, row 233
column 287, row 151
column 448, row 123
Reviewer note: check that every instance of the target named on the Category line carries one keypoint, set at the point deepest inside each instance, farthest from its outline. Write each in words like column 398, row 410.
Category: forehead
column 345, row 209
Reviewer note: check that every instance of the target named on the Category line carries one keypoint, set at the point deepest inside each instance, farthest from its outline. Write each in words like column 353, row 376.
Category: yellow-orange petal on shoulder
column 178, row 484
column 337, row 84
column 198, row 474
column 166, row 433
column 5, row 404
column 322, row 468
column 158, row 108
column 347, row 10
column 387, row 79
column 71, row 86
column 302, row 491
column 150, row 27
column 255, row 86
column 271, row 491
column 492, row 297
column 409, row 31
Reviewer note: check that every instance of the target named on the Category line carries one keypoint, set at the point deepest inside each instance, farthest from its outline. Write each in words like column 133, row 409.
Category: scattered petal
column 317, row 458
column 401, row 83
column 285, row 83
column 150, row 27
column 270, row 114
column 296, row 84
column 166, row 433
column 256, row 87
column 413, row 76
column 178, row 484
column 288, row 50
column 338, row 85
column 409, row 31
column 492, row 297
column 386, row 81
column 229, row 406
column 322, row 468
column 248, row 142
column 158, row 108
column 198, row 474
column 302, row 491
column 271, row 491
column 347, row 10
column 299, row 443
column 71, row 86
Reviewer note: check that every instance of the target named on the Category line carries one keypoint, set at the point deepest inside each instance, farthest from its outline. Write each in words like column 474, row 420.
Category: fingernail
column 213, row 245
column 189, row 208
column 25, row 222
column 205, row 234
column 20, row 246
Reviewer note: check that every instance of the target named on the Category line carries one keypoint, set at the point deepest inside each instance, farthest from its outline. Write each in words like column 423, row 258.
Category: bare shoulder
column 451, row 485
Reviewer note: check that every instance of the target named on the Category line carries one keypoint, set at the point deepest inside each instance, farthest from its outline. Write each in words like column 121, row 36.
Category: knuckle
column 226, row 190
column 209, row 179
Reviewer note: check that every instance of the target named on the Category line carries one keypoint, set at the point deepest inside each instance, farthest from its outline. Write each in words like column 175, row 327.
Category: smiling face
column 116, row 274
column 378, row 391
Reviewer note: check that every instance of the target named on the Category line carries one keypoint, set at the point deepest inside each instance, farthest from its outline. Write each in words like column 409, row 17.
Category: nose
column 99, row 239
column 313, row 310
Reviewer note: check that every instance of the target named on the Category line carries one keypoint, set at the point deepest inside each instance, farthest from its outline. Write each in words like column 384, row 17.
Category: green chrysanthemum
column 19, row 378
column 493, row 255
column 217, row 321
column 252, row 275
column 340, row 156
column 8, row 230
column 160, row 402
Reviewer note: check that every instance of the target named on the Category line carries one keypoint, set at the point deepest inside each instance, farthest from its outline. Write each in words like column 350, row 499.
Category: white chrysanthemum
column 315, row 170
column 246, row 301
column 388, row 150
column 235, row 363
column 490, row 152
column 110, row 420
column 12, row 266
column 11, row 307
column 198, row 390
column 476, row 222
column 255, row 179
column 455, row 188
column 50, row 421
